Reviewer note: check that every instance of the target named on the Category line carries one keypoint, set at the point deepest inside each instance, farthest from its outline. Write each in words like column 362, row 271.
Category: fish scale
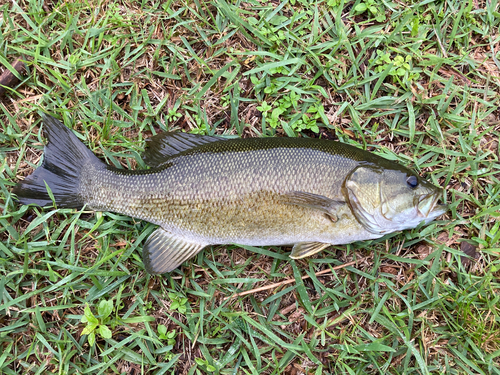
column 246, row 183
column 260, row 191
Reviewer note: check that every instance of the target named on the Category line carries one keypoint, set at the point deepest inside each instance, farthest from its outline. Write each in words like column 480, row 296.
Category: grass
column 416, row 82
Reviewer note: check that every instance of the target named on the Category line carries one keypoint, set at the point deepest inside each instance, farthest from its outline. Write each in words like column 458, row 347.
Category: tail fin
column 64, row 158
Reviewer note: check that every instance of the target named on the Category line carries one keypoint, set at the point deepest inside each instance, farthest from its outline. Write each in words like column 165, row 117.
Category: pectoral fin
column 304, row 249
column 164, row 252
column 314, row 201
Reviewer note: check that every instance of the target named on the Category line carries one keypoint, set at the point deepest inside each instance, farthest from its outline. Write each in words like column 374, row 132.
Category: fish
column 207, row 190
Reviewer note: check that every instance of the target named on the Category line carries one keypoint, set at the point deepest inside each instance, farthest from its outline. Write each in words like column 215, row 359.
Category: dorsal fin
column 161, row 147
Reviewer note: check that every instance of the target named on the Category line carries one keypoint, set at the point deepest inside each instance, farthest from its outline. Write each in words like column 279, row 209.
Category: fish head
column 390, row 199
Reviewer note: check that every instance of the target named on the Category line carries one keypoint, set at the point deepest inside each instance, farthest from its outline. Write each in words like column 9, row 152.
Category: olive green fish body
column 207, row 190
column 236, row 192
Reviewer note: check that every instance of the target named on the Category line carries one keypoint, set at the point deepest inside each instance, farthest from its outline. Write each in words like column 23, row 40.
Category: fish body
column 262, row 191
column 236, row 192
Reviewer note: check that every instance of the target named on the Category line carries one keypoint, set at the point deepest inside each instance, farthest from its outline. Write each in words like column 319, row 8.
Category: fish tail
column 65, row 157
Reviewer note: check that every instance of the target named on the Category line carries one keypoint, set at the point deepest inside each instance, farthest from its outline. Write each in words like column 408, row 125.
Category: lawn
column 415, row 82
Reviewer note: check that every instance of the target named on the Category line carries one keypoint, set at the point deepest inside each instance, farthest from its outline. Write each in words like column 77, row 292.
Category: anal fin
column 304, row 249
column 164, row 251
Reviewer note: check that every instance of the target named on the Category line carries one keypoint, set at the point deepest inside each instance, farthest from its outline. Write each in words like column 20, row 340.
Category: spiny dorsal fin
column 305, row 249
column 160, row 147
column 164, row 251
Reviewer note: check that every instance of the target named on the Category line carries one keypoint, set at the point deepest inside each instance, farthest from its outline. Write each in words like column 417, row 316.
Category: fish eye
column 412, row 181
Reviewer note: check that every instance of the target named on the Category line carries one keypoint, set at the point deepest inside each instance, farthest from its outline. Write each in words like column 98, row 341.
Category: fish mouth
column 428, row 206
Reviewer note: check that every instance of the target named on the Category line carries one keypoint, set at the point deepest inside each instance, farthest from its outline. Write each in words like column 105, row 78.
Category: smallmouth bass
column 204, row 190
